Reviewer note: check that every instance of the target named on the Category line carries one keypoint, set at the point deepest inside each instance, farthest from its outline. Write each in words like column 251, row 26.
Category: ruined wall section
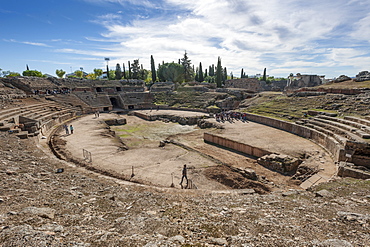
column 235, row 145
column 329, row 143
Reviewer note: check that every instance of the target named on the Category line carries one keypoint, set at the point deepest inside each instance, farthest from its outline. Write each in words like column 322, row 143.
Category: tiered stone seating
column 13, row 112
column 32, row 118
column 344, row 130
column 72, row 100
column 95, row 100
column 356, row 128
column 321, row 128
column 359, row 120
column 351, row 132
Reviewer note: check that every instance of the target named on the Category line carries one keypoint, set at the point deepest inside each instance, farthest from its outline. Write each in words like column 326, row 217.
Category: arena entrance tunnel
column 114, row 102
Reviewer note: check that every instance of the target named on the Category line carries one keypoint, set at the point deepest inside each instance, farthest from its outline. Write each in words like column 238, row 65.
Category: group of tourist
column 52, row 91
column 230, row 116
column 68, row 129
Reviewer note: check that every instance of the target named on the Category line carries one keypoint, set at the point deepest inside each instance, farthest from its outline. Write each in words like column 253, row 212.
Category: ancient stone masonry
column 281, row 163
column 162, row 87
column 346, row 169
column 363, row 76
column 251, row 84
column 300, row 81
column 342, row 78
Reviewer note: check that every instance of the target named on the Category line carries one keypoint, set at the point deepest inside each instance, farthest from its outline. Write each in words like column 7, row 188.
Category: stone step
column 314, row 180
column 362, row 129
column 336, row 130
column 22, row 135
column 342, row 140
column 358, row 120
column 345, row 127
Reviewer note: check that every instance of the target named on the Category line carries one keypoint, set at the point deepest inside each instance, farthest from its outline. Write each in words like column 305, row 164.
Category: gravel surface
column 40, row 207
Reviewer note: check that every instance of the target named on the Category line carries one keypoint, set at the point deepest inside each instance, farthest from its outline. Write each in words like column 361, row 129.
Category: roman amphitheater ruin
column 253, row 179
column 120, row 132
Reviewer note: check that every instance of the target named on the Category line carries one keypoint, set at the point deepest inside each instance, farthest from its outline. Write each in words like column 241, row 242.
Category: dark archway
column 99, row 89
column 114, row 102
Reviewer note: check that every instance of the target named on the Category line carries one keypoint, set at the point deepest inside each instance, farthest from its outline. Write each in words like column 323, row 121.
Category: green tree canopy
column 32, row 73
column 171, row 72
column 98, row 72
column 8, row 73
column 188, row 70
column 112, row 75
column 79, row 73
column 60, row 73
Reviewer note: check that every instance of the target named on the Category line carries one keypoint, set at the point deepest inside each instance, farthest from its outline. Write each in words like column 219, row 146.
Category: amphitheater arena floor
column 162, row 166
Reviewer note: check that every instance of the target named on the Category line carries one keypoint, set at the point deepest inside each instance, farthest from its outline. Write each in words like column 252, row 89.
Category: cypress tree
column 224, row 75
column 118, row 72
column 152, row 67
column 129, row 70
column 219, row 73
column 124, row 71
column 107, row 72
column 200, row 72
column 197, row 75
column 205, row 73
column 242, row 73
column 264, row 75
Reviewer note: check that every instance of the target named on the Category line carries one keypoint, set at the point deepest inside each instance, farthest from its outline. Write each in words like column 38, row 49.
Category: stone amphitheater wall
column 235, row 145
column 329, row 143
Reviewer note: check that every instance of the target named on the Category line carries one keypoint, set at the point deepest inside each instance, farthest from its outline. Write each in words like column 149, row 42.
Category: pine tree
column 152, row 67
column 118, row 72
column 188, row 71
column 219, row 73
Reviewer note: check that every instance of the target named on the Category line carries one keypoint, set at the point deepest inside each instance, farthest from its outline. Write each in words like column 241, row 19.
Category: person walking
column 71, row 128
column 66, row 129
column 184, row 175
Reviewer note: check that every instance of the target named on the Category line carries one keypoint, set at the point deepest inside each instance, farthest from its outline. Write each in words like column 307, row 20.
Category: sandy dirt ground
column 161, row 166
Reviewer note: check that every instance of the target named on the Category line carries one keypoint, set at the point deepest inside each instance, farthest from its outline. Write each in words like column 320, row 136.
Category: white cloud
column 26, row 42
column 283, row 36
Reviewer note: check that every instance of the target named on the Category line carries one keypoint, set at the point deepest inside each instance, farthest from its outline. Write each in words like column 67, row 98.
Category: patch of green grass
column 124, row 135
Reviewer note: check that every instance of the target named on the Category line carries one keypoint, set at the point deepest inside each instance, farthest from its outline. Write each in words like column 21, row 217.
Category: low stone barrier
column 329, row 143
column 346, row 171
column 234, row 145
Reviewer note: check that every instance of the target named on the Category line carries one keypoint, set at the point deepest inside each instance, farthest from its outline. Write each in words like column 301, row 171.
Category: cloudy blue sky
column 325, row 37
